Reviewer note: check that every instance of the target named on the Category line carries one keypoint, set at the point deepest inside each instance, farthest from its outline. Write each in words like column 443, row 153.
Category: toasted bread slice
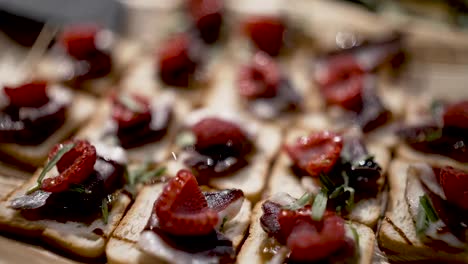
column 156, row 151
column 82, row 239
column 251, row 251
column 252, row 178
column 123, row 248
column 397, row 236
column 282, row 179
column 79, row 113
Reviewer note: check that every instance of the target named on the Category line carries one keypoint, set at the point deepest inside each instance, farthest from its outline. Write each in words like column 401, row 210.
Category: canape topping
column 74, row 166
column 307, row 239
column 218, row 137
column 176, row 64
column 259, row 79
column 454, row 182
column 130, row 110
column 456, row 115
column 182, row 208
column 317, row 153
column 80, row 40
column 208, row 18
column 267, row 33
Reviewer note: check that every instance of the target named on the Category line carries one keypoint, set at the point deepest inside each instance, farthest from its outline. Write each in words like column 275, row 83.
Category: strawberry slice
column 130, row 111
column 267, row 33
column 207, row 16
column 182, row 208
column 454, row 182
column 33, row 94
column 74, row 167
column 456, row 115
column 259, row 79
column 175, row 64
column 217, row 136
column 79, row 40
column 309, row 240
column 316, row 153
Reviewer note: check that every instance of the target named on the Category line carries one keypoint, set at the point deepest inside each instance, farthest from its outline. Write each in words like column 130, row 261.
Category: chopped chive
column 185, row 139
column 221, row 228
column 428, row 208
column 319, row 205
column 65, row 148
column 299, row 203
column 326, row 182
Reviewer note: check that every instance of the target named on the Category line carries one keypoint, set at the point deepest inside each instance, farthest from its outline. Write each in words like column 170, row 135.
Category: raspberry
column 316, row 153
column 456, row 115
column 215, row 136
column 207, row 16
column 182, row 208
column 74, row 167
column 260, row 79
column 33, row 94
column 267, row 33
column 175, row 64
column 79, row 40
column 454, row 182
column 127, row 117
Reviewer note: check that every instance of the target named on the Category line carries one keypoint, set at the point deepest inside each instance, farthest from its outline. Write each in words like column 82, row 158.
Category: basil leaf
column 65, row 148
column 130, row 103
column 299, row 203
column 105, row 210
column 319, row 205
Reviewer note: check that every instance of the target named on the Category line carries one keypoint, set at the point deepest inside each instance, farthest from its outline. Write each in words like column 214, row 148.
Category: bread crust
column 74, row 237
column 282, row 179
column 252, row 247
column 79, row 113
column 397, row 236
column 122, row 246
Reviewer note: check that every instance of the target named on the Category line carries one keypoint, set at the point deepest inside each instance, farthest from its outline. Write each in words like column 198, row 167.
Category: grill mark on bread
column 398, row 230
column 123, row 239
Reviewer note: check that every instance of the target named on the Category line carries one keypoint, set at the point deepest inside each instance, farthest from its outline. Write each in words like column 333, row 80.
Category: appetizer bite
column 207, row 18
column 74, row 202
column 88, row 57
column 352, row 92
column 427, row 214
column 142, row 124
column 181, row 223
column 181, row 65
column 226, row 151
column 289, row 230
column 33, row 117
column 436, row 133
column 340, row 168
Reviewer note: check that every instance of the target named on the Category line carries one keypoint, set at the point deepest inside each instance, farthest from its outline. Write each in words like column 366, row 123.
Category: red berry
column 336, row 69
column 456, row 115
column 74, row 167
column 175, row 64
column 341, row 81
column 454, row 182
column 80, row 40
column 216, row 133
column 309, row 240
column 316, row 153
column 260, row 79
column 182, row 208
column 127, row 117
column 33, row 94
column 207, row 16
column 267, row 33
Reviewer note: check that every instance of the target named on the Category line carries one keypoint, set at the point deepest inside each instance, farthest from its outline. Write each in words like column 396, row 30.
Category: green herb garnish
column 299, row 203
column 105, row 210
column 79, row 188
column 142, row 175
column 426, row 214
column 319, row 205
column 433, row 135
column 65, row 148
column 130, row 103
column 326, row 182
column 221, row 228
